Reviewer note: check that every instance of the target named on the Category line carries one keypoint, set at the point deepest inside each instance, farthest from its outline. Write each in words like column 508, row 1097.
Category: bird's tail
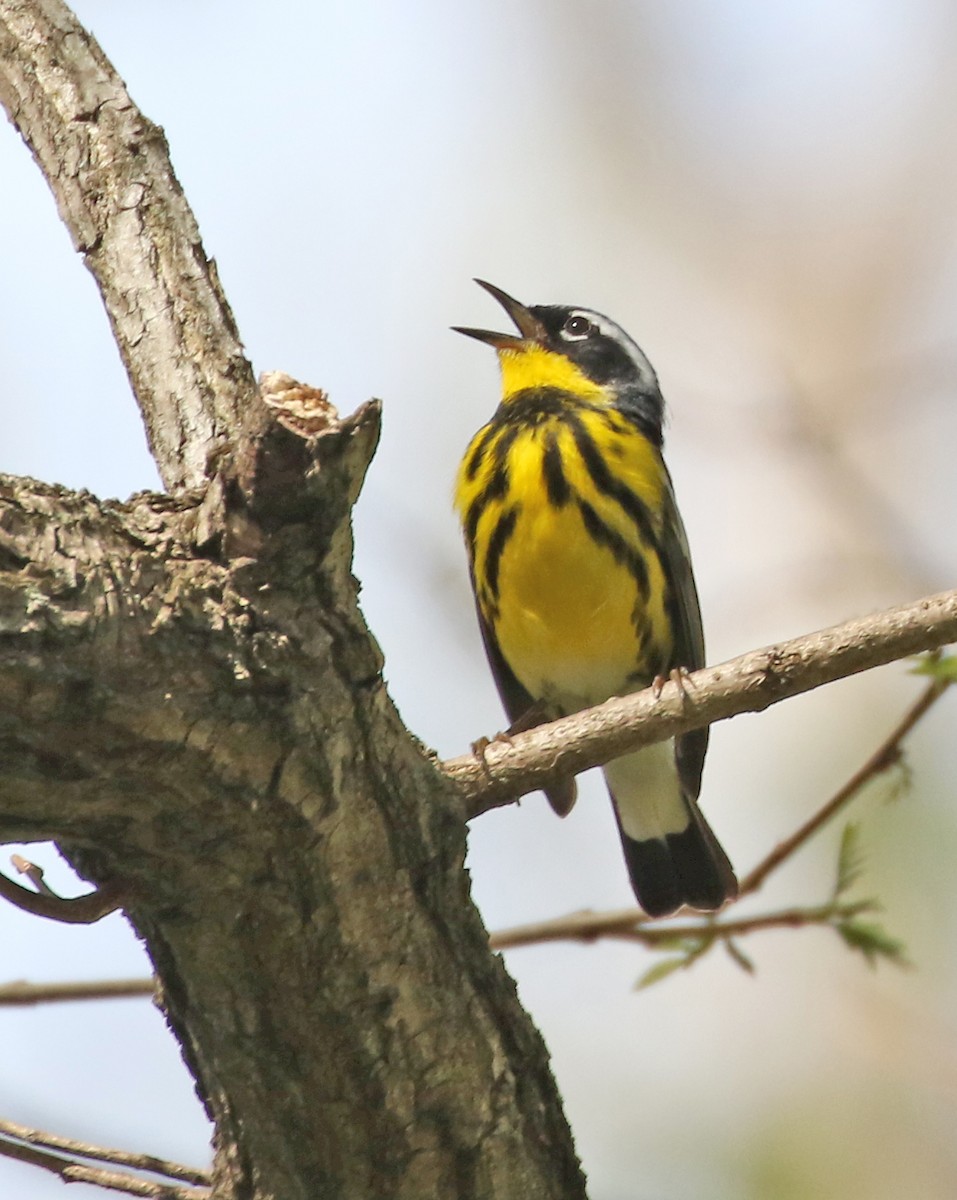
column 673, row 857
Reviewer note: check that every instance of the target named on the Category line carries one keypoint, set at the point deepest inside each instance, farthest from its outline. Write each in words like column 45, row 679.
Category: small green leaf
column 850, row 859
column 873, row 941
column 943, row 667
column 661, row 970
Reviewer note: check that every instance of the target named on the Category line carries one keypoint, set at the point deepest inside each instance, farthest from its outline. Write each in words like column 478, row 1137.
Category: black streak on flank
column 607, row 483
column 503, row 444
column 649, row 657
column 477, row 457
column 495, row 489
column 496, row 544
column 604, row 535
column 471, row 523
column 556, row 485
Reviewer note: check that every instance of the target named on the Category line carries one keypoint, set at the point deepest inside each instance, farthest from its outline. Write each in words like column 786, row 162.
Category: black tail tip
column 680, row 869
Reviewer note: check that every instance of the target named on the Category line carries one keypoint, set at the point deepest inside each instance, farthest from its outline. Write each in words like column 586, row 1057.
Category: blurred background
column 765, row 197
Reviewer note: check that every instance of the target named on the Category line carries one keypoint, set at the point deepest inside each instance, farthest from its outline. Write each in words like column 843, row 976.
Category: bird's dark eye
column 576, row 327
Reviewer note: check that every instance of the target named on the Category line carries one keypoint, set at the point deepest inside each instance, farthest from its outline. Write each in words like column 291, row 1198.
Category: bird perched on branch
column 582, row 575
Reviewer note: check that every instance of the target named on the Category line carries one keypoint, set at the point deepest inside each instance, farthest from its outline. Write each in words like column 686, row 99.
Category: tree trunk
column 192, row 706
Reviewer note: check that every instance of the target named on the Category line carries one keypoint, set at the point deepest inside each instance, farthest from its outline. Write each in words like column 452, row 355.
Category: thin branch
column 584, row 926
column 33, row 872
column 73, row 1172
column 885, row 756
column 749, row 683
column 20, row 993
column 119, row 1158
column 633, row 925
column 109, row 170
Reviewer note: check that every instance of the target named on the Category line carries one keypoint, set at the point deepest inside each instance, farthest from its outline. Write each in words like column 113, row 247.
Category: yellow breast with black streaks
column 560, row 506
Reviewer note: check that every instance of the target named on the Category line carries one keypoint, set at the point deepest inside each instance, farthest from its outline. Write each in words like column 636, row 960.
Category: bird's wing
column 515, row 699
column 521, row 709
column 685, row 612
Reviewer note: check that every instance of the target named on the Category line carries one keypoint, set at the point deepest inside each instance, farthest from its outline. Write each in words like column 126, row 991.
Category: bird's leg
column 679, row 676
column 534, row 715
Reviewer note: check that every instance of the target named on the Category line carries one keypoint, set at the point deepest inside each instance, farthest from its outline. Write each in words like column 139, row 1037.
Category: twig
column 631, row 924
column 885, row 756
column 749, row 683
column 634, row 926
column 33, row 872
column 585, row 926
column 73, row 1172
column 119, row 1158
column 22, row 993
column 78, row 910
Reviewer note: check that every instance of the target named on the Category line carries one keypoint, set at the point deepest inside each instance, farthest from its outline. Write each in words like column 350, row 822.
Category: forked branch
column 62, row 1157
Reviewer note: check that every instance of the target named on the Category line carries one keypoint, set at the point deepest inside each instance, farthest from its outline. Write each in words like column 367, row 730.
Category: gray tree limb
column 507, row 769
column 111, row 177
column 191, row 704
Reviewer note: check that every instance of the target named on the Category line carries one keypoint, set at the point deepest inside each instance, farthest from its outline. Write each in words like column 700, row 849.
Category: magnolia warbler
column 582, row 576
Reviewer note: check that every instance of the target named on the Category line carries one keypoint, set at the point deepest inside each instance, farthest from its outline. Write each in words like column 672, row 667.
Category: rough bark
column 217, row 736
column 191, row 704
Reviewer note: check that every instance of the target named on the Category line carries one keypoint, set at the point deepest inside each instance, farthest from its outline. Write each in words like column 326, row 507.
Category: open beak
column 530, row 329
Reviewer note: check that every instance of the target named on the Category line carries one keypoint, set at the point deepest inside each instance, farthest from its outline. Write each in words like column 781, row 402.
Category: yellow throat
column 532, row 366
